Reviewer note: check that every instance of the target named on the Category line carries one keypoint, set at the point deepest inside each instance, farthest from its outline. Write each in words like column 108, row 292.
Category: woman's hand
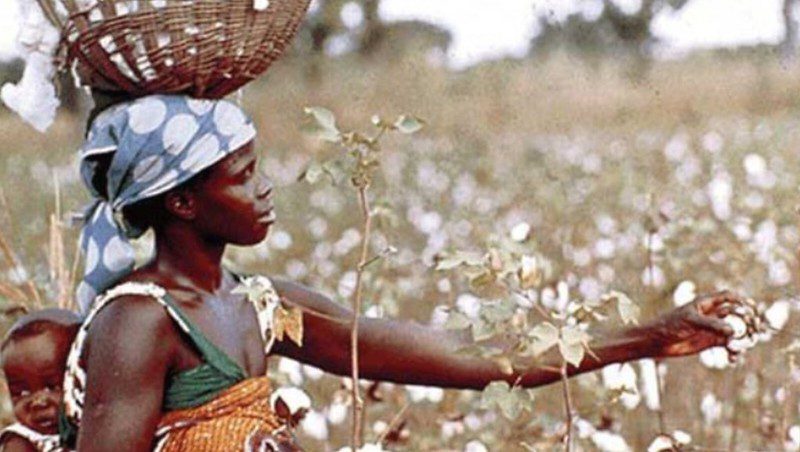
column 694, row 327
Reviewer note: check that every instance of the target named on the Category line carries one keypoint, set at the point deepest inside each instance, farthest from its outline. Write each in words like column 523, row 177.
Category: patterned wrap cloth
column 156, row 143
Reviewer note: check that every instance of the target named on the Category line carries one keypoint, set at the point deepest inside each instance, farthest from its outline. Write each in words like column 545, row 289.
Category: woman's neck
column 188, row 260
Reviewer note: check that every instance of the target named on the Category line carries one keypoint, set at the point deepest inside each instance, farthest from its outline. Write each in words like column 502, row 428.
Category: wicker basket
column 203, row 48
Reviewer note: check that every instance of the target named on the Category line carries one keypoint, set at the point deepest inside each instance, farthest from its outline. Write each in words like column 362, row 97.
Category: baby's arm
column 16, row 443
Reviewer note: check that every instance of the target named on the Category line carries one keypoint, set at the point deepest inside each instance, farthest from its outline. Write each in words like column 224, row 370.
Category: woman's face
column 234, row 203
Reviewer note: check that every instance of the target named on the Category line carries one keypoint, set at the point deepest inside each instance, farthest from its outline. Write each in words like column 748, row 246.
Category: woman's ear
column 181, row 203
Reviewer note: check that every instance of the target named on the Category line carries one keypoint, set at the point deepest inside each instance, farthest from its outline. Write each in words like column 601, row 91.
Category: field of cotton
column 683, row 182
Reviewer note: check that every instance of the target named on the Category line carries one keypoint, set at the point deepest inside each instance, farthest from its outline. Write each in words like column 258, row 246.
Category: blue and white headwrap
column 158, row 142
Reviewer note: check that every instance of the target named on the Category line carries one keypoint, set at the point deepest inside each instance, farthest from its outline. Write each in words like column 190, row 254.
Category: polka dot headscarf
column 158, row 142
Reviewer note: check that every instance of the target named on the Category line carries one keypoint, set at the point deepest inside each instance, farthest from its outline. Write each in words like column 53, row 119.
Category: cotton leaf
column 409, row 124
column 511, row 401
column 571, row 345
column 482, row 330
column 446, row 262
column 499, row 311
column 545, row 336
column 326, row 122
column 314, row 173
column 628, row 310
column 457, row 321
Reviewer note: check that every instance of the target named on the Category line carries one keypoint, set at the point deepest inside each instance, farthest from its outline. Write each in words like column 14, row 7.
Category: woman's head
column 229, row 202
column 149, row 161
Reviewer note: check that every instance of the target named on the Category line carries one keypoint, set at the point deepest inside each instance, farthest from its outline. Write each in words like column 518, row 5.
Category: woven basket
column 203, row 48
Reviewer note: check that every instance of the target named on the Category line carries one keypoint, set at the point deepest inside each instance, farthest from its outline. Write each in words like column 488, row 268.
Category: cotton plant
column 515, row 317
column 34, row 97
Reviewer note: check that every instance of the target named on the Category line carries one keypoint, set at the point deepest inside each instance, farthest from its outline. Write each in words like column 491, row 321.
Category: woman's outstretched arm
column 410, row 353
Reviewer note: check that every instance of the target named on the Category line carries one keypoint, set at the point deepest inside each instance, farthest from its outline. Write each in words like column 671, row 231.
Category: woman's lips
column 268, row 217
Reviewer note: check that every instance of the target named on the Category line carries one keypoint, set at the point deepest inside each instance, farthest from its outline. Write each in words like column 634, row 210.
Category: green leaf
column 511, row 401
column 487, row 285
column 545, row 336
column 314, row 173
column 446, row 262
column 326, row 122
column 499, row 311
column 482, row 330
column 457, row 321
column 409, row 124
column 629, row 311
column 493, row 392
column 572, row 343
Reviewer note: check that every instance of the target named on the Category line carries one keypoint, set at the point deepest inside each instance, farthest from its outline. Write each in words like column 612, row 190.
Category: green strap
column 211, row 353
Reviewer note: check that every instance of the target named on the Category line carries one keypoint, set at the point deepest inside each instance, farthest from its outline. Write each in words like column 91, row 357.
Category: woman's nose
column 265, row 186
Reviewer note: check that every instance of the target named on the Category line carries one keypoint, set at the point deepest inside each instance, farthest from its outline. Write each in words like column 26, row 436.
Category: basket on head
column 203, row 48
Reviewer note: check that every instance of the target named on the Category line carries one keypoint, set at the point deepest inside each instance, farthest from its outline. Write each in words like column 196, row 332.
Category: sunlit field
column 683, row 182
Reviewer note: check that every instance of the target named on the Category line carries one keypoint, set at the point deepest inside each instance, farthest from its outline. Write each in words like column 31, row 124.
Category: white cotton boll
column 315, row 425
column 715, row 358
column 295, row 399
column 475, row 446
column 754, row 164
column 711, row 408
column 473, row 421
column 584, row 428
column 451, row 429
column 562, row 288
column 779, row 273
column 609, row 442
column 793, row 441
column 292, row 369
column 662, row 443
column 778, row 314
column 374, row 312
column 653, row 276
column 347, row 284
column 622, row 377
column 604, row 248
column 337, row 413
column 440, row 315
column 649, row 377
column 425, row 393
column 681, row 437
column 765, row 240
column 521, row 232
column 260, row 5
column 684, row 294
column 469, row 305
column 737, row 324
column 34, row 97
column 281, row 240
column 720, row 192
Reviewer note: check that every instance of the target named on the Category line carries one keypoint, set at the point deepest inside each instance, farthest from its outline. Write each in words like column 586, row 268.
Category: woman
column 172, row 354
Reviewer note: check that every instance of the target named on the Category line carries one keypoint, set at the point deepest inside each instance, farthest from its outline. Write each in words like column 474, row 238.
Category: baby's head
column 34, row 355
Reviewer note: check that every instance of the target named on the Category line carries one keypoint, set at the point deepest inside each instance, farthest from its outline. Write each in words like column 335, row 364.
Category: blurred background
column 649, row 146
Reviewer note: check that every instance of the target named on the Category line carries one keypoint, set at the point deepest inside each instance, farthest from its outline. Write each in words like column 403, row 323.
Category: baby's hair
column 39, row 322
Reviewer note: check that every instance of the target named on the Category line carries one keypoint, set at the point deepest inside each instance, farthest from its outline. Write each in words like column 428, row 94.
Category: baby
column 33, row 355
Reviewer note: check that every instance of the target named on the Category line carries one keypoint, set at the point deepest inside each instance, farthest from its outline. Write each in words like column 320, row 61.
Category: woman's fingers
column 717, row 327
column 718, row 304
